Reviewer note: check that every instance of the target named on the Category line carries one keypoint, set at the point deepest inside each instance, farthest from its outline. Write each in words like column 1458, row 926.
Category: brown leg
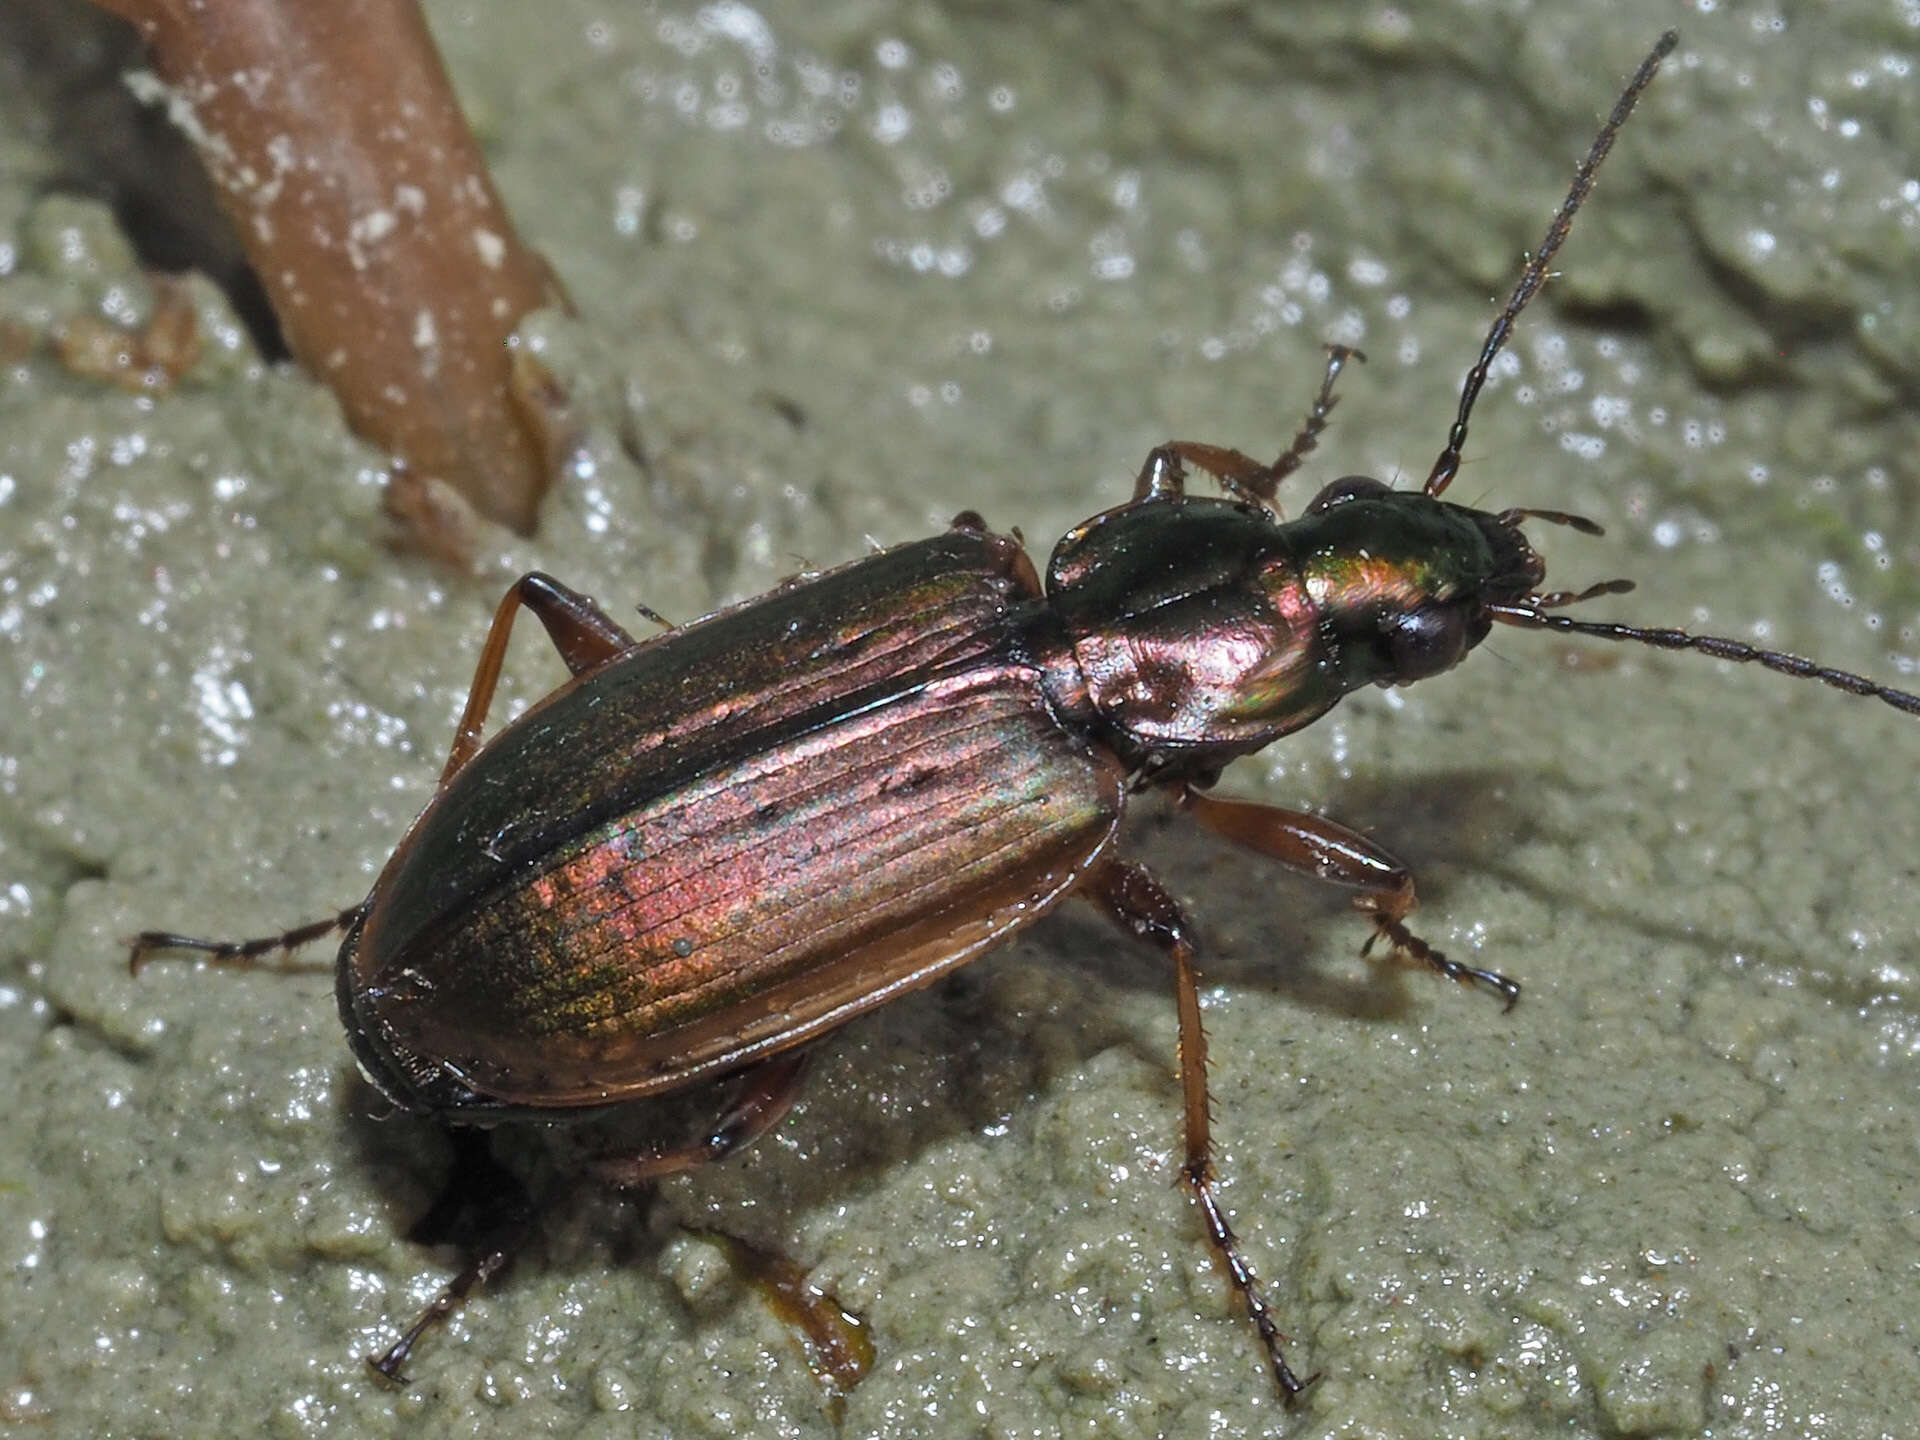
column 1239, row 474
column 484, row 1209
column 839, row 1350
column 1138, row 902
column 1161, row 474
column 762, row 1096
column 584, row 634
column 1327, row 850
column 241, row 954
column 585, row 637
column 1308, row 436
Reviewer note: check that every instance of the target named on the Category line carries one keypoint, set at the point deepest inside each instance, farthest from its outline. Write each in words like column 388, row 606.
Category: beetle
column 712, row 847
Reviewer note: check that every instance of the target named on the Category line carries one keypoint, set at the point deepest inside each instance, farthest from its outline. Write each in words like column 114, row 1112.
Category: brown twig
column 364, row 205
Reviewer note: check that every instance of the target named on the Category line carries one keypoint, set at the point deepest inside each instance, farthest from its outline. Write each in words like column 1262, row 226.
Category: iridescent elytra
column 713, row 846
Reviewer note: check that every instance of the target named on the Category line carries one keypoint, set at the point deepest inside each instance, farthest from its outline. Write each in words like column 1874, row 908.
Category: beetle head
column 1402, row 582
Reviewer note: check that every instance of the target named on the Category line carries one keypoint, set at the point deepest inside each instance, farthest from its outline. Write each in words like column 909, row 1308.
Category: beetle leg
column 1161, row 476
column 1327, row 850
column 761, row 1098
column 1308, row 434
column 1141, row 905
column 584, row 634
column 839, row 1350
column 1245, row 478
column 241, row 954
column 1239, row 474
column 482, row 1207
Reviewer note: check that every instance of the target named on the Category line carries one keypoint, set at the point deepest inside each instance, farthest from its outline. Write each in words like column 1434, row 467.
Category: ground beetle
column 716, row 845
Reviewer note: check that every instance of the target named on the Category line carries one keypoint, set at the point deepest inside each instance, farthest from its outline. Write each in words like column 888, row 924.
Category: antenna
column 1531, row 278
column 1717, row 646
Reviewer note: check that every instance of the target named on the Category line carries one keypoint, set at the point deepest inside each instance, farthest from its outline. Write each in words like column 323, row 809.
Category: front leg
column 1240, row 475
column 1141, row 905
column 1326, row 850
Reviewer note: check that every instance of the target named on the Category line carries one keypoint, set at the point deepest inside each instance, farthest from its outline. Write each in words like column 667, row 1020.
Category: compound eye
column 1423, row 642
column 1350, row 487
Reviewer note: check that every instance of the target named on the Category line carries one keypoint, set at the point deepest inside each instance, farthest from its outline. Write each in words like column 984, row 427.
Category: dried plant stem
column 364, row 204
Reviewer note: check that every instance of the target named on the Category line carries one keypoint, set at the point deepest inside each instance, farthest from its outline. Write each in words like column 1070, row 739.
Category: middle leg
column 762, row 1095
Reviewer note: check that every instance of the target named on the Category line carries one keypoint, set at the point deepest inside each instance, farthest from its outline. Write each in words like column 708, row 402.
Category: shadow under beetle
column 716, row 845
